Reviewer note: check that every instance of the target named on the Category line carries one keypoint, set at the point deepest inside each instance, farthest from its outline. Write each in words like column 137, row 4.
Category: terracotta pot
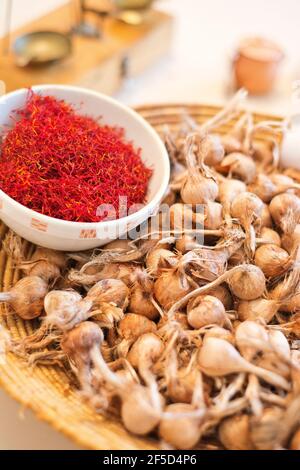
column 256, row 65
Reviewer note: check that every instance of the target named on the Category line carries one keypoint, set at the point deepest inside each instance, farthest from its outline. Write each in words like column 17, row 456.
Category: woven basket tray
column 46, row 390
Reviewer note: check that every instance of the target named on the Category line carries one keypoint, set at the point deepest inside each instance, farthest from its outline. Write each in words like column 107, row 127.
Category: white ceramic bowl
column 73, row 236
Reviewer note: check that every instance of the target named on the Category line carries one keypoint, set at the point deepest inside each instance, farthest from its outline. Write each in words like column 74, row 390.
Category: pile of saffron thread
column 65, row 165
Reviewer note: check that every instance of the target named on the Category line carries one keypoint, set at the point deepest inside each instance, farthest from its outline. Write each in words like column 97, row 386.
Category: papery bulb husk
column 247, row 284
column 213, row 150
column 270, row 236
column 233, row 140
column 265, row 218
column 132, row 326
column 285, row 210
column 45, row 263
column 234, row 433
column 219, row 332
column 239, row 166
column 229, row 189
column 170, row 287
column 292, row 305
column 26, row 297
column 270, row 362
column 106, row 351
column 295, row 441
column 118, row 245
column 196, row 190
column 106, row 314
column 88, row 276
column 65, row 309
column 223, row 294
column 112, row 291
column 186, row 243
column 209, row 264
column 257, row 309
column 247, row 207
column 199, row 186
column 181, row 382
column 137, row 413
column 251, row 337
column 213, row 215
column 181, row 217
column 159, row 259
column 281, row 180
column 78, row 342
column 262, row 152
column 218, row 358
column 147, row 349
column 263, row 187
column 178, row 318
column 265, row 430
column 290, row 240
column 140, row 303
column 45, row 270
column 272, row 260
column 205, row 310
column 112, row 337
column 286, row 292
column 280, row 344
column 231, row 143
column 180, row 432
column 55, row 257
column 239, row 257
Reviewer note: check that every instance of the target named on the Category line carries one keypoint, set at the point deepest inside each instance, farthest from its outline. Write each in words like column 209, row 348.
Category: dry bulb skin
column 27, row 297
column 200, row 186
column 45, row 263
column 291, row 238
column 229, row 189
column 234, row 433
column 219, row 358
column 65, row 309
column 171, row 286
column 256, row 309
column 179, row 427
column 213, row 150
column 205, row 310
column 233, row 141
column 240, row 166
column 285, row 210
column 247, row 282
column 247, row 209
column 189, row 333
column 273, row 260
column 141, row 299
column 269, row 236
column 130, row 328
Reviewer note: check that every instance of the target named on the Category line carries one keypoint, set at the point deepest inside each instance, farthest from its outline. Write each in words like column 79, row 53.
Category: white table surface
column 196, row 70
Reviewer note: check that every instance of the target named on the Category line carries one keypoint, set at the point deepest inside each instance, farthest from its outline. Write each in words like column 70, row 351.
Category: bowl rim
column 109, row 223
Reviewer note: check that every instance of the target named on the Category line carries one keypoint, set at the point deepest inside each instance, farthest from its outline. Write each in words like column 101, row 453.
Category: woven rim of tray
column 46, row 390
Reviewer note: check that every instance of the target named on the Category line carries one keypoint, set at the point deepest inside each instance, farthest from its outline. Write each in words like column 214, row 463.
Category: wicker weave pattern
column 46, row 390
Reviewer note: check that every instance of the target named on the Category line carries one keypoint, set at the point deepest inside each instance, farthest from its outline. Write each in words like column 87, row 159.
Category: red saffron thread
column 66, row 165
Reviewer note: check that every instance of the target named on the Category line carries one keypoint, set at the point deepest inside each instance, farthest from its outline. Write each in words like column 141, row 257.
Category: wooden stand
column 100, row 64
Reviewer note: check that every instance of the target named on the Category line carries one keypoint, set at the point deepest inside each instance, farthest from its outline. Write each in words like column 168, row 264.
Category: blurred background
column 186, row 55
column 174, row 51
